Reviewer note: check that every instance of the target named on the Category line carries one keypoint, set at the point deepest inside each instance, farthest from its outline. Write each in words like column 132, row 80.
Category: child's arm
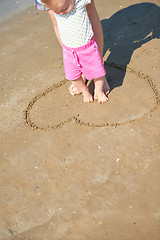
column 39, row 5
column 96, row 25
column 54, row 21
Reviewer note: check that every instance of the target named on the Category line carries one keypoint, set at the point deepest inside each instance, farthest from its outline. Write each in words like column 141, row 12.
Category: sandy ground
column 78, row 171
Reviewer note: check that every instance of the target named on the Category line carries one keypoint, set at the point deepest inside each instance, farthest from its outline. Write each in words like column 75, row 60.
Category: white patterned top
column 75, row 28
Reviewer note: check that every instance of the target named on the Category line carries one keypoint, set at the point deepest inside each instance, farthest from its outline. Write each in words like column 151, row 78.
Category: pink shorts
column 85, row 59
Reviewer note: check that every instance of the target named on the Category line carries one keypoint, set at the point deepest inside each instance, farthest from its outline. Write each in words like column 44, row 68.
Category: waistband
column 82, row 47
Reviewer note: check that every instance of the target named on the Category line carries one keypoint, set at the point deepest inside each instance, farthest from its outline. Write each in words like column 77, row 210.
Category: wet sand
column 9, row 8
column 79, row 171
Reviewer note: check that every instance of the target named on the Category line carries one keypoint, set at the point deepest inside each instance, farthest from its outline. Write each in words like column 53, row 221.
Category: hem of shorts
column 97, row 76
column 73, row 79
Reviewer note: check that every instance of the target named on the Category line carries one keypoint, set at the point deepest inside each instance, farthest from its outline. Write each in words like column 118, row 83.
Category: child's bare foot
column 73, row 90
column 87, row 97
column 80, row 85
column 99, row 93
column 100, row 97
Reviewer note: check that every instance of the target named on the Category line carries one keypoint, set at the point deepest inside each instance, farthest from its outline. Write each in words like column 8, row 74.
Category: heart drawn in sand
column 55, row 106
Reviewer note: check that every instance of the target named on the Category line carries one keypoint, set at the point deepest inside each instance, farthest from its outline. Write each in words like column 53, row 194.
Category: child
column 80, row 51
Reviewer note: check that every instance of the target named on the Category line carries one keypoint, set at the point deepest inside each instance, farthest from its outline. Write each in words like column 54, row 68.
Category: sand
column 79, row 171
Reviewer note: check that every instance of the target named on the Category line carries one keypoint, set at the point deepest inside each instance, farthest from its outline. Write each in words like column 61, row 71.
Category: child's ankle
column 87, row 97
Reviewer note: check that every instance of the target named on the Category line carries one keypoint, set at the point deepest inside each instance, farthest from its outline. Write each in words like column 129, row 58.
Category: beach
column 71, row 170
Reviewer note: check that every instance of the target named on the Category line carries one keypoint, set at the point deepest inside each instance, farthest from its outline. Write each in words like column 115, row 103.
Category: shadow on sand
column 124, row 32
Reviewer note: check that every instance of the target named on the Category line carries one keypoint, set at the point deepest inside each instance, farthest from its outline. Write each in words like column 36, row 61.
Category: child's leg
column 73, row 90
column 99, row 93
column 80, row 85
column 96, row 25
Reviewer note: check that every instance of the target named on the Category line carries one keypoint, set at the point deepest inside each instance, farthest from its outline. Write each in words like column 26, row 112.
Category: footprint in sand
column 53, row 108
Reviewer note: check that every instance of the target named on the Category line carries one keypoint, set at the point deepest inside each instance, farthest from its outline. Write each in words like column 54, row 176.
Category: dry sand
column 78, row 171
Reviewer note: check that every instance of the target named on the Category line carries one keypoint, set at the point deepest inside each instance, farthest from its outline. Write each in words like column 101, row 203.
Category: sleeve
column 40, row 6
column 87, row 2
column 82, row 3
